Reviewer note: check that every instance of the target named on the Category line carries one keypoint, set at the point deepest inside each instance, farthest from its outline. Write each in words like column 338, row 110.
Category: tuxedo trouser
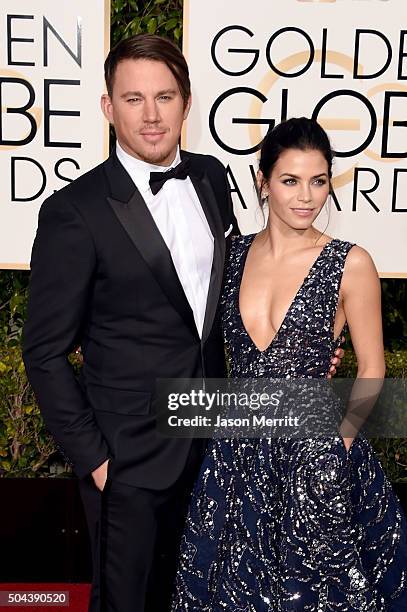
column 135, row 537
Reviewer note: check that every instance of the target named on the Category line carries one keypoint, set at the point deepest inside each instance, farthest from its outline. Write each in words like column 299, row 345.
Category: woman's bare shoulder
column 360, row 276
column 359, row 261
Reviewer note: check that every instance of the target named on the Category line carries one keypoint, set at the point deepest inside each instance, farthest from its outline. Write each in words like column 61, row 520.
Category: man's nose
column 151, row 112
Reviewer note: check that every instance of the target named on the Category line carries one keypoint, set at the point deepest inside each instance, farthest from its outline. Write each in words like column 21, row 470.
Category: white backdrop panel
column 51, row 129
column 344, row 62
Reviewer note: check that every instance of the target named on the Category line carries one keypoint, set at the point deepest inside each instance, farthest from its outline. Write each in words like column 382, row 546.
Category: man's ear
column 107, row 107
column 187, row 107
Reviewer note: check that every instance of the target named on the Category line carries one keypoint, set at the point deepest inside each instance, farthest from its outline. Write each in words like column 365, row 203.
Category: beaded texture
column 282, row 524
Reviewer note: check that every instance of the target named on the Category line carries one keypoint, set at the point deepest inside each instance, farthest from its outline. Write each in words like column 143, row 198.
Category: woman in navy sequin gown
column 295, row 524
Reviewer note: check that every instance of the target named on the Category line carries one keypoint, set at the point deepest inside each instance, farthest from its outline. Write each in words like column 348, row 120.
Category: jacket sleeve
column 62, row 266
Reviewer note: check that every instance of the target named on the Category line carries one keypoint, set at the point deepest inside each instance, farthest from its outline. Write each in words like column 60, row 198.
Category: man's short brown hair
column 150, row 47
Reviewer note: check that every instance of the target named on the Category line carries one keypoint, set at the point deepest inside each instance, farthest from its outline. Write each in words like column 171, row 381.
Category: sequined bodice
column 304, row 343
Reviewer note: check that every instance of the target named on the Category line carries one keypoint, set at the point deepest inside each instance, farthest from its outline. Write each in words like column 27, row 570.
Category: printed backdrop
column 51, row 128
column 344, row 62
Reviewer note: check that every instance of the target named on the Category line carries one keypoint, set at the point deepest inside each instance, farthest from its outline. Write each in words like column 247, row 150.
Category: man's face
column 146, row 109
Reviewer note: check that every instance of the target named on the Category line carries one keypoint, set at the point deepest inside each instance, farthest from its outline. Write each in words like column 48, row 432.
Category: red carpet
column 78, row 596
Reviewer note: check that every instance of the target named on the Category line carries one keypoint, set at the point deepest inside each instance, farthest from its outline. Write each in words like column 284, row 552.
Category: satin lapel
column 139, row 224
column 207, row 198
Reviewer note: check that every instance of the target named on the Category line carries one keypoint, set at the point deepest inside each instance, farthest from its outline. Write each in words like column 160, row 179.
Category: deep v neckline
column 242, row 266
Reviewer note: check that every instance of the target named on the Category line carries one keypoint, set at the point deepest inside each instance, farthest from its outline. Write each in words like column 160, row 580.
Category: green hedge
column 25, row 447
column 163, row 17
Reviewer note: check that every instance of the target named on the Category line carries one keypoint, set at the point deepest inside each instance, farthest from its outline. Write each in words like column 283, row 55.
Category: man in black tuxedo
column 128, row 264
column 131, row 272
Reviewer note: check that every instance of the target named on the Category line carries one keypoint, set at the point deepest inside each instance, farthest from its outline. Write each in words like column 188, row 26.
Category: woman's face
column 298, row 188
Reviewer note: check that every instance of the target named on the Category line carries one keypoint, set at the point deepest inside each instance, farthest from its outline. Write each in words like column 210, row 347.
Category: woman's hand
column 336, row 360
column 347, row 442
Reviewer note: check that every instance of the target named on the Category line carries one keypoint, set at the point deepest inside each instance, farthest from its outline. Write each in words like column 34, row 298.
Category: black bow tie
column 157, row 179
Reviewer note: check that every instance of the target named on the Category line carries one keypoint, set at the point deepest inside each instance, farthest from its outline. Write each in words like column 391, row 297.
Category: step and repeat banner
column 343, row 62
column 51, row 127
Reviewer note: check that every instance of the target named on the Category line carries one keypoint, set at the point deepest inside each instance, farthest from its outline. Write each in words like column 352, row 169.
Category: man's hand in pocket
column 100, row 475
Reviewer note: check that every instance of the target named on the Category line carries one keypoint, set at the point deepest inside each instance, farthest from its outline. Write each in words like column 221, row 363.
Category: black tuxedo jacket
column 103, row 278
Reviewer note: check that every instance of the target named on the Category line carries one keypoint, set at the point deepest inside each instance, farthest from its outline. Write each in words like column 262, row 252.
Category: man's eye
column 165, row 97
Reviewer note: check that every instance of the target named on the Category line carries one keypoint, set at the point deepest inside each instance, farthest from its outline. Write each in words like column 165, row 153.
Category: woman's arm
column 361, row 298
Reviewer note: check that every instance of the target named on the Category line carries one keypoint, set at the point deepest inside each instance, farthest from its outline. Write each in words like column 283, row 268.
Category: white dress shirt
column 178, row 214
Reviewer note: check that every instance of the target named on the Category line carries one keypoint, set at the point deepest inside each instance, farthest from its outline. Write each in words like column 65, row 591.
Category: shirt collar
column 139, row 170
